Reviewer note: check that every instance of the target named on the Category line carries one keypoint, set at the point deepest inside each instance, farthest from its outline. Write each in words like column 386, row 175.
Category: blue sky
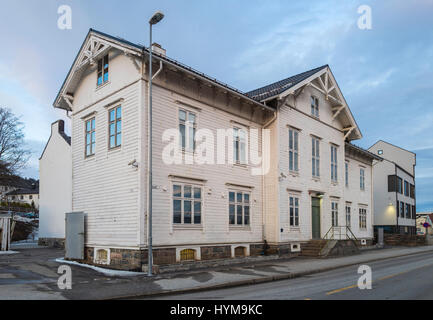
column 385, row 73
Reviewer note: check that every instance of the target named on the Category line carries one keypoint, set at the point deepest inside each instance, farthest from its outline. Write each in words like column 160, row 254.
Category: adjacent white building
column 55, row 186
column 394, row 189
column 300, row 127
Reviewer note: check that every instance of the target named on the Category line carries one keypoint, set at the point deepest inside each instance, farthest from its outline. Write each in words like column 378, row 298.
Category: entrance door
column 74, row 244
column 315, row 217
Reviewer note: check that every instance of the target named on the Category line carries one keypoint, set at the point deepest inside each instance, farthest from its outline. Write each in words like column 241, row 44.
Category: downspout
column 267, row 124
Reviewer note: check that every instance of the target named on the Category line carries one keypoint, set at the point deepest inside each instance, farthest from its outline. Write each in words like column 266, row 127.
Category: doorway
column 315, row 218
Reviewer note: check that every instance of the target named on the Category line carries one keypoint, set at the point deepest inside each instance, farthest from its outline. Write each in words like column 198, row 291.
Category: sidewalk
column 32, row 274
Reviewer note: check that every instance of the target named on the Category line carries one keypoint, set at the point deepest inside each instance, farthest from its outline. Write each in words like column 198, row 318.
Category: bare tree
column 13, row 155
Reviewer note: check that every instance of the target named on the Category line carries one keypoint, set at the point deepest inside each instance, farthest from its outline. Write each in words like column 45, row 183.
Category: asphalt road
column 402, row 278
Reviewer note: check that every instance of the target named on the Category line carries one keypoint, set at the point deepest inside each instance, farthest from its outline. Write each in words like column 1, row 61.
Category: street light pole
column 157, row 17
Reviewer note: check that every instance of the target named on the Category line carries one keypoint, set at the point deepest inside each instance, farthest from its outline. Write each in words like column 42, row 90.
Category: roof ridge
column 281, row 85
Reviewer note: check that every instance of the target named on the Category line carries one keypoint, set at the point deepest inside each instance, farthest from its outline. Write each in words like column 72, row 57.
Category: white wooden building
column 207, row 211
column 55, row 186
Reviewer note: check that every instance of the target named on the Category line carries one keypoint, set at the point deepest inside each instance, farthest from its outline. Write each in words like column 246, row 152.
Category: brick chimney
column 156, row 47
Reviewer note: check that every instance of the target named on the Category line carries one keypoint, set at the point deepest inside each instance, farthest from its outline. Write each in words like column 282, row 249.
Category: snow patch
column 8, row 252
column 107, row 272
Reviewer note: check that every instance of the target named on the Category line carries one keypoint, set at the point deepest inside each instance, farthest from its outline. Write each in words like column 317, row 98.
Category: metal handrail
column 344, row 233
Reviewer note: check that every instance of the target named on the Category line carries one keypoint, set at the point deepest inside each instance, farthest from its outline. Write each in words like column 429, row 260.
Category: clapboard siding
column 215, row 196
column 105, row 187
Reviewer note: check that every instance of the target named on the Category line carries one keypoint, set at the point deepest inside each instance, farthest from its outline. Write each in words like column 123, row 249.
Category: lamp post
column 157, row 17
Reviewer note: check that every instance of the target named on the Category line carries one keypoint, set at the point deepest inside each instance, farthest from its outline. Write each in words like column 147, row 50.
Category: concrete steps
column 313, row 248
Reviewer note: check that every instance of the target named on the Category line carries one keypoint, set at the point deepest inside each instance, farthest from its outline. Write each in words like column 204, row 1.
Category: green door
column 315, row 217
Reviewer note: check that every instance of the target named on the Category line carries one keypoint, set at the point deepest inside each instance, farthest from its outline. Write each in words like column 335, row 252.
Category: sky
column 385, row 73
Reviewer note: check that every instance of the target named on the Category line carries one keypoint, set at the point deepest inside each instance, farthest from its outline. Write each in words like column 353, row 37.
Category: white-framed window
column 115, row 127
column 334, row 167
column 293, row 150
column 362, row 178
column 187, row 130
column 187, row 204
column 294, row 211
column 90, row 141
column 102, row 70
column 239, row 208
column 346, row 169
column 348, row 215
column 239, row 145
column 362, row 218
column 334, row 213
column 314, row 106
column 315, row 156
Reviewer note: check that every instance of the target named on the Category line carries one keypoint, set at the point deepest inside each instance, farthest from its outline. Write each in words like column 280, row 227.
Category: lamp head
column 157, row 17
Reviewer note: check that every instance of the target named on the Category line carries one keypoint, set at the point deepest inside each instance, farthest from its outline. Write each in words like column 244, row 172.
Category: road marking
column 355, row 285
column 341, row 289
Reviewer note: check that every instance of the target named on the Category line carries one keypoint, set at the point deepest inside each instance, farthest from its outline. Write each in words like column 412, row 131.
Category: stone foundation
column 52, row 242
column 215, row 253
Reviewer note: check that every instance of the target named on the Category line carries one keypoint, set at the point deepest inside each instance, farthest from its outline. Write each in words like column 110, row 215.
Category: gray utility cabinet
column 74, row 244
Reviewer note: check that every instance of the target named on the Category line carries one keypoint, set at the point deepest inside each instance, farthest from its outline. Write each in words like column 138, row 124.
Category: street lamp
column 157, row 17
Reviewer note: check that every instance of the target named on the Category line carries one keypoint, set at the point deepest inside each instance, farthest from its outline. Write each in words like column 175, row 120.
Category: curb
column 260, row 280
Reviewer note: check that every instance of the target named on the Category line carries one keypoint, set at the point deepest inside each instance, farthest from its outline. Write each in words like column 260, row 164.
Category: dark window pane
column 246, row 198
column 182, row 137
column 239, row 215
column 232, row 214
column 246, row 215
column 239, row 197
column 197, row 193
column 197, row 212
column 177, row 211
column 177, row 190
column 187, row 191
column 187, row 212
column 232, row 197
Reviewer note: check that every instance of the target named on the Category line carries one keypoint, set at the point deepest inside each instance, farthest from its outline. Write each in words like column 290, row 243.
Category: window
column 401, row 209
column 362, row 179
column 115, row 127
column 293, row 150
column 408, row 211
column 187, row 129
column 334, row 212
column 406, row 188
column 239, row 146
column 348, row 217
column 187, row 204
column 90, row 137
column 413, row 212
column 400, row 185
column 362, row 218
column 380, row 152
column 334, row 176
column 314, row 106
column 412, row 191
column 294, row 211
column 187, row 255
column 30, row 197
column 346, row 168
column 315, row 157
column 103, row 70
column 239, row 208
column 392, row 183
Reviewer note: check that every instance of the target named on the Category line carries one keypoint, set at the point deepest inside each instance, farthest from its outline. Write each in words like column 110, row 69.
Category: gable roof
column 363, row 152
column 279, row 87
column 140, row 50
column 23, row 192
